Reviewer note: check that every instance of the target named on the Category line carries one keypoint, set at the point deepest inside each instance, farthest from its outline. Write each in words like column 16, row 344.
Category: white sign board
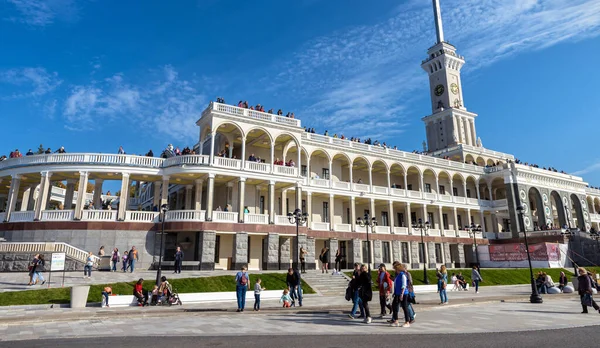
column 58, row 262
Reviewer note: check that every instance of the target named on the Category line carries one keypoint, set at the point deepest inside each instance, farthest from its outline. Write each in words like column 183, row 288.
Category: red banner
column 517, row 252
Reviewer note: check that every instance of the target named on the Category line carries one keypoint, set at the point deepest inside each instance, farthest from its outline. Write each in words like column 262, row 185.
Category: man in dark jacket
column 178, row 260
column 294, row 283
column 354, row 286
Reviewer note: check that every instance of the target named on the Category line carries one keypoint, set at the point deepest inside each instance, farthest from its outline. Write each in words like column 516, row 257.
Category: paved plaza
column 475, row 318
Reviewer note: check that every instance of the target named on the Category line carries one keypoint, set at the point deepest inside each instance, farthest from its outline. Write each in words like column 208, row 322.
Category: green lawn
column 270, row 281
column 492, row 276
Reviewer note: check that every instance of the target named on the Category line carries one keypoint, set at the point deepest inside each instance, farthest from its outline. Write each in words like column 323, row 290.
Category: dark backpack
column 348, row 295
column 243, row 279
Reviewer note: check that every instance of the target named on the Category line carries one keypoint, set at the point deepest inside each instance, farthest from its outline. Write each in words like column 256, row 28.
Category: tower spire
column 439, row 30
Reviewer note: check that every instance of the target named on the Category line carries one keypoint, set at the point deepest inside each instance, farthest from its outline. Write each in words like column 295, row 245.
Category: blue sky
column 93, row 75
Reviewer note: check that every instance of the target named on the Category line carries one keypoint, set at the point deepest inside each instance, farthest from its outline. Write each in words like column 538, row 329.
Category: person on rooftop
column 29, row 153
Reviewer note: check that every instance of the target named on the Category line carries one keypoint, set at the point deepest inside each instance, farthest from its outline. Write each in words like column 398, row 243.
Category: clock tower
column 450, row 124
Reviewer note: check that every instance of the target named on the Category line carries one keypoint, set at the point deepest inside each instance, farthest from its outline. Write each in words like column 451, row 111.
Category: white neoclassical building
column 228, row 208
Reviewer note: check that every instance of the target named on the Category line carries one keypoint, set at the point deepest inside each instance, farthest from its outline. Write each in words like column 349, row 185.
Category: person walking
column 31, row 269
column 303, row 253
column 125, row 259
column 39, row 268
column 365, row 291
column 294, row 283
column 257, row 290
column 178, row 260
column 242, row 282
column 324, row 257
column 105, row 293
column 338, row 262
column 442, row 276
column 476, row 278
column 400, row 296
column 585, row 291
column 356, row 301
column 89, row 263
column 133, row 258
column 114, row 259
column 384, row 282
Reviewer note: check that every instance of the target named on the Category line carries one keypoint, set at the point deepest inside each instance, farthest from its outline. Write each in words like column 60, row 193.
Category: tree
column 40, row 150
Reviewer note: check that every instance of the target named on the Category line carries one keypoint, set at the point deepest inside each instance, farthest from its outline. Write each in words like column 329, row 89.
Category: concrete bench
column 198, row 297
column 432, row 288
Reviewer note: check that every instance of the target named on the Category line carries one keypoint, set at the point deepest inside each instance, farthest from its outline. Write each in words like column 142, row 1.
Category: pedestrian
column 585, row 291
column 114, row 259
column 476, row 278
column 338, row 262
column 178, row 260
column 411, row 296
column 31, row 269
column 365, row 291
column 257, row 290
column 39, row 268
column 241, row 286
column 125, row 259
column 294, row 283
column 133, row 257
column 89, row 263
column 286, row 299
column 400, row 296
column 105, row 293
column 324, row 257
column 303, row 253
column 140, row 295
column 442, row 276
column 356, row 301
column 384, row 283
column 101, row 251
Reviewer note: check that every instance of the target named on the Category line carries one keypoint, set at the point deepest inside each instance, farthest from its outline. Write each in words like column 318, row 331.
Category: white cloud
column 352, row 77
column 169, row 104
column 30, row 82
column 40, row 13
column 589, row 169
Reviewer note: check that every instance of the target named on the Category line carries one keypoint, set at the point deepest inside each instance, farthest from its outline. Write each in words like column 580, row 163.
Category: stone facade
column 461, row 255
column 19, row 262
column 310, row 257
column 207, row 244
column 92, row 240
column 447, row 255
column 396, row 251
column 414, row 255
column 431, row 255
column 333, row 248
column 377, row 254
column 240, row 251
column 284, row 252
column 354, row 252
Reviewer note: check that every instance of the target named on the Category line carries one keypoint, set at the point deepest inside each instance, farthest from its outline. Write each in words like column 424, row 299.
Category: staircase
column 59, row 247
column 326, row 284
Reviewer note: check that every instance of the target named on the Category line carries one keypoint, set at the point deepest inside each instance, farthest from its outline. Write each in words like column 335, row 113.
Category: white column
column 408, row 218
column 309, row 208
column 451, row 187
column 473, row 133
column 425, row 217
column 124, row 198
column 372, row 208
column 97, row 200
column 69, row 194
column 331, row 211
column 198, row 194
column 299, row 160
column 298, row 196
column 437, row 184
column 478, row 194
column 456, row 130
column 331, row 173
column 482, row 222
column 351, row 178
column 31, row 201
column 13, row 195
column 243, row 159
column 40, row 203
column 212, row 148
column 441, row 218
column 210, row 188
column 406, row 182
column 242, row 199
column 469, row 217
column 421, row 183
column 271, row 202
column 465, row 189
column 456, row 227
column 490, row 191
column 229, row 196
column 389, row 183
column 308, row 169
column 25, row 198
column 391, row 215
column 284, row 208
column 353, row 213
column 370, row 179
column 164, row 195
column 468, row 132
column 272, row 157
column 188, row 197
column 157, row 192
column 80, row 203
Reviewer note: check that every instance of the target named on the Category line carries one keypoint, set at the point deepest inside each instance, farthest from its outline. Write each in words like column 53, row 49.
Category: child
column 154, row 299
column 286, row 299
column 257, row 290
column 107, row 291
column 124, row 259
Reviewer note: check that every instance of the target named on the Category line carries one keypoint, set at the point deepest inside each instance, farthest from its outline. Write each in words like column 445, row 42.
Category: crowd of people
column 552, row 169
column 245, row 105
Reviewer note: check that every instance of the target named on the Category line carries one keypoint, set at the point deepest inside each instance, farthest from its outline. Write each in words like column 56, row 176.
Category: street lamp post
column 366, row 222
column 424, row 227
column 473, row 233
column 535, row 297
column 299, row 219
column 164, row 208
column 571, row 237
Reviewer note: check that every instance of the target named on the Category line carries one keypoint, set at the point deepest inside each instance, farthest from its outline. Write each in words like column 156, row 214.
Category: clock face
column 454, row 88
column 439, row 90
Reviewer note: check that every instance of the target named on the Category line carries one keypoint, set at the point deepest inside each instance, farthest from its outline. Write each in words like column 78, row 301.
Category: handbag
column 586, row 300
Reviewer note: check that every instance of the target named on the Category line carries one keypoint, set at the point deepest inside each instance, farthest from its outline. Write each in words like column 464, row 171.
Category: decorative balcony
column 247, row 113
column 434, row 232
column 463, row 234
column 398, row 192
column 382, row 229
column 429, row 195
column 227, row 162
column 261, row 219
column 319, row 182
column 342, row 227
column 320, row 226
column 362, row 188
column 401, row 230
column 98, row 215
column 282, row 220
column 185, row 215
column 341, row 185
column 57, row 215
column 142, row 216
column 287, row 171
column 258, row 167
column 225, row 216
column 21, row 216
column 445, row 198
column 414, row 194
column 449, row 233
column 380, row 189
